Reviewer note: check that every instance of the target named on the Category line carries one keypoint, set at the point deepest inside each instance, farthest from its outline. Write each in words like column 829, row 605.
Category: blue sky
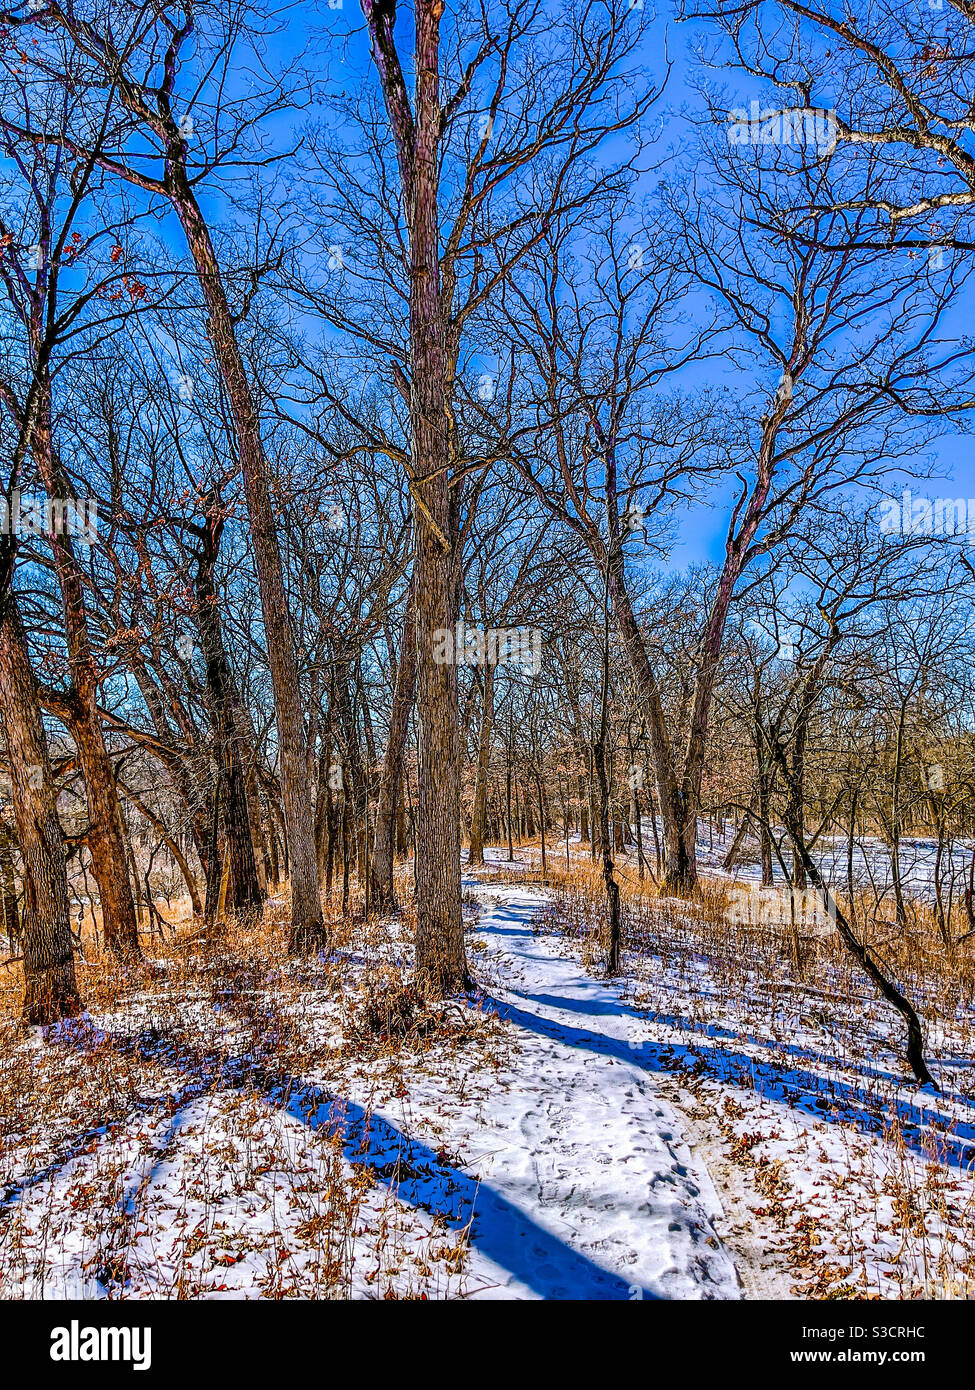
column 702, row 531
column 333, row 37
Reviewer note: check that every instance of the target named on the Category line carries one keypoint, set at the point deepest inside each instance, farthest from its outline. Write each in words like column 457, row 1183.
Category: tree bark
column 106, row 841
column 307, row 926
column 244, row 890
column 404, row 694
column 679, row 787
column 479, row 809
column 8, row 886
column 613, row 925
column 440, row 954
column 680, row 868
column 50, row 985
column 861, row 953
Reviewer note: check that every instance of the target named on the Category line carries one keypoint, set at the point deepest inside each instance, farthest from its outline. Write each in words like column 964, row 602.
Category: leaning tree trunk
column 861, row 953
column 50, row 986
column 307, row 926
column 404, row 693
column 106, row 841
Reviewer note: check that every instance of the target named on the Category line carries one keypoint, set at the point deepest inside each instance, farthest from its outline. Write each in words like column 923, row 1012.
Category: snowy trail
column 588, row 1188
column 558, row 1156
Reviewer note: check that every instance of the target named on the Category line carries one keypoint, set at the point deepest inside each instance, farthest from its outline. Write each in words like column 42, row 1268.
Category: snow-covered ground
column 587, row 1186
column 871, row 862
column 549, row 1168
column 693, row 1130
column 839, row 1176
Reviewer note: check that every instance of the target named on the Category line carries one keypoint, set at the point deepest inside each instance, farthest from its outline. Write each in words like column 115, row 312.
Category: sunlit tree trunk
column 440, row 955
column 50, row 986
column 307, row 926
column 106, row 839
column 404, row 693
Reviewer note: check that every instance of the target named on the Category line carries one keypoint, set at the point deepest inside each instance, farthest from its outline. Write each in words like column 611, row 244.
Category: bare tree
column 141, row 65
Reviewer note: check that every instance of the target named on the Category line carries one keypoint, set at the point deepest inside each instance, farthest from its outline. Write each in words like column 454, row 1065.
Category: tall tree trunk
column 796, row 808
column 764, row 832
column 541, row 822
column 850, row 848
column 507, row 790
column 440, row 955
column 50, row 985
column 106, row 842
column 307, row 925
column 900, row 906
column 584, row 797
column 331, row 829
column 613, row 924
column 247, row 746
column 679, row 792
column 765, row 777
column 244, row 888
column 354, row 771
column 634, row 780
column 390, row 799
column 213, row 851
column 441, row 958
column 679, row 866
column 479, row 811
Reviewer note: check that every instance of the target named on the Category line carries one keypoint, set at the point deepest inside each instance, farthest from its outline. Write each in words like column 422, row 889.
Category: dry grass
column 942, row 981
column 184, row 1141
column 866, row 1190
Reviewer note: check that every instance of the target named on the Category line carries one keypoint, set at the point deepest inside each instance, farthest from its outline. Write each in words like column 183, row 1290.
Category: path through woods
column 588, row 1187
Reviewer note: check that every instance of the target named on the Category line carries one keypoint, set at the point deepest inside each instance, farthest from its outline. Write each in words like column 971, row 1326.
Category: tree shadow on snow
column 413, row 1172
column 825, row 1098
column 417, row 1175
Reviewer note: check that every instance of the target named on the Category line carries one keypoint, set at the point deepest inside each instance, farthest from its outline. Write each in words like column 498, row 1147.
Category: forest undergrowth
column 775, row 1042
